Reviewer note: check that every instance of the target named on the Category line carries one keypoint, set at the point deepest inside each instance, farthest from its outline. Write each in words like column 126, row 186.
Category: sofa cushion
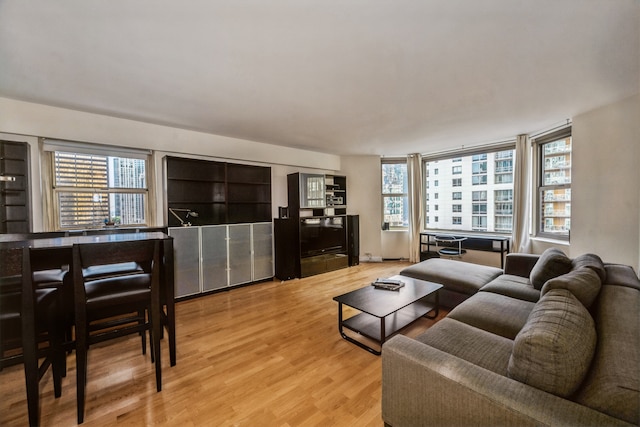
column 552, row 263
column 495, row 313
column 593, row 262
column 482, row 348
column 554, row 349
column 458, row 276
column 583, row 283
column 513, row 286
column 612, row 385
column 622, row 275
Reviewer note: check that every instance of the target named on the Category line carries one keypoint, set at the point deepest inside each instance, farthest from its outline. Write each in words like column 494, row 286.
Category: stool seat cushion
column 117, row 290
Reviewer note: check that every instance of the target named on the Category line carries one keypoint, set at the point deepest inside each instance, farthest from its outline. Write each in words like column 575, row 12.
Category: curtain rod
column 464, row 150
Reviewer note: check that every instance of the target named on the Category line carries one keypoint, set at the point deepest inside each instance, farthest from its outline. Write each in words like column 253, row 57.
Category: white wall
column 605, row 202
column 25, row 121
column 364, row 188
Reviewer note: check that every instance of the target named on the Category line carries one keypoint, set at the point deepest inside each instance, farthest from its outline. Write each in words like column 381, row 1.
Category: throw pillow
column 593, row 262
column 552, row 263
column 583, row 283
column 554, row 349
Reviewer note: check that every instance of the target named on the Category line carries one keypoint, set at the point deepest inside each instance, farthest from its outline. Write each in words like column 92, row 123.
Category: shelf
column 196, row 180
column 369, row 325
column 221, row 193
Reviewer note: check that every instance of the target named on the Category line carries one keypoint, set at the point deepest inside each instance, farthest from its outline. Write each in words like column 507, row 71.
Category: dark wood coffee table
column 383, row 312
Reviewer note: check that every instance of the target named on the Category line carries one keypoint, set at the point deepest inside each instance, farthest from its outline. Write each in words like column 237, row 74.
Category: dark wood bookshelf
column 14, row 187
column 220, row 192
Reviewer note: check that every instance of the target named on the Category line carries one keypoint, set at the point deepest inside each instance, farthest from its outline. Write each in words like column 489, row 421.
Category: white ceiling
column 339, row 76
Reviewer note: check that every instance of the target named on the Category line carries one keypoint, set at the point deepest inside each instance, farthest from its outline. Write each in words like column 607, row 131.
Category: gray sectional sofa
column 551, row 342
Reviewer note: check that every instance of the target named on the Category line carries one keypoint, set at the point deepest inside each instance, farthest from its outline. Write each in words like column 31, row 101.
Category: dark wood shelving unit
column 220, row 192
column 14, row 187
column 318, row 236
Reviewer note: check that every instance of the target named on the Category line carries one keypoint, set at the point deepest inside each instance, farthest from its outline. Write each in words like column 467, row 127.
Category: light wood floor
column 262, row 355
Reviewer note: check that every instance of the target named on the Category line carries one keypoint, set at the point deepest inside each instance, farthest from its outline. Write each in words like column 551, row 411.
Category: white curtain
column 414, row 174
column 46, row 186
column 520, row 241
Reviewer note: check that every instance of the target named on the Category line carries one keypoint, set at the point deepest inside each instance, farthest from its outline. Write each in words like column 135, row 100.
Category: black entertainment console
column 318, row 236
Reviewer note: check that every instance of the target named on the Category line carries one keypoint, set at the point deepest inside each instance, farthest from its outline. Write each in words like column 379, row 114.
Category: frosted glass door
column 214, row 257
column 262, row 251
column 186, row 250
column 239, row 254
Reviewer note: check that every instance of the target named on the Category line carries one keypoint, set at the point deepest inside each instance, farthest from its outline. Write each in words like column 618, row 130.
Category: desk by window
column 474, row 242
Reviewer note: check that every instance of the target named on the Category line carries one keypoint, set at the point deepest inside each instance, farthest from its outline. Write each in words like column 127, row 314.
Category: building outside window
column 90, row 190
column 395, row 201
column 480, row 196
column 554, row 185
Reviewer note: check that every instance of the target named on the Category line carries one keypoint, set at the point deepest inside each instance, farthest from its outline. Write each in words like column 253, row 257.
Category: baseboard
column 370, row 259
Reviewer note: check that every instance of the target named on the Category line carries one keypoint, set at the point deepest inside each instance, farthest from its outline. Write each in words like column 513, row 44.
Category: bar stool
column 114, row 306
column 31, row 315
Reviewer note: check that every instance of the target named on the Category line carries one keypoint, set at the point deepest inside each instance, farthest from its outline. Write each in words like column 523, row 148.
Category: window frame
column 404, row 195
column 478, row 162
column 55, row 190
column 539, row 215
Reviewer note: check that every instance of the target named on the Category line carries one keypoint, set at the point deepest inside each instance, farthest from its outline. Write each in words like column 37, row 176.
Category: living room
column 605, row 211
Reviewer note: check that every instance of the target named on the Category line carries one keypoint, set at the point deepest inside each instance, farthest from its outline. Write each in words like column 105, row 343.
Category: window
column 479, row 196
column 504, row 167
column 476, row 191
column 89, row 189
column 479, row 169
column 479, row 223
column 395, row 201
column 479, row 208
column 554, row 184
column 479, row 179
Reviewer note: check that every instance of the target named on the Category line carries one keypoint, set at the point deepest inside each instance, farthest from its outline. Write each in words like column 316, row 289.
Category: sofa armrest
column 425, row 386
column 519, row 264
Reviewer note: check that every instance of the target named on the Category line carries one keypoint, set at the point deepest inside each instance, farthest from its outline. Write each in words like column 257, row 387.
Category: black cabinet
column 14, row 187
column 219, row 192
column 318, row 236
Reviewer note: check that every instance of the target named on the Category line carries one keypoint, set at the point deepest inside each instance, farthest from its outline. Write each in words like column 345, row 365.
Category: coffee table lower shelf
column 379, row 329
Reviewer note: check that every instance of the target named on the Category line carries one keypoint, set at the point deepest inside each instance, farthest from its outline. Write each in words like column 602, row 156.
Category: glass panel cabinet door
column 312, row 191
column 239, row 254
column 214, row 257
column 262, row 251
column 186, row 249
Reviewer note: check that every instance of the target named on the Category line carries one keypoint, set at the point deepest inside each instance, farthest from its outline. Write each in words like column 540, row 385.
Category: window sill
column 552, row 241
